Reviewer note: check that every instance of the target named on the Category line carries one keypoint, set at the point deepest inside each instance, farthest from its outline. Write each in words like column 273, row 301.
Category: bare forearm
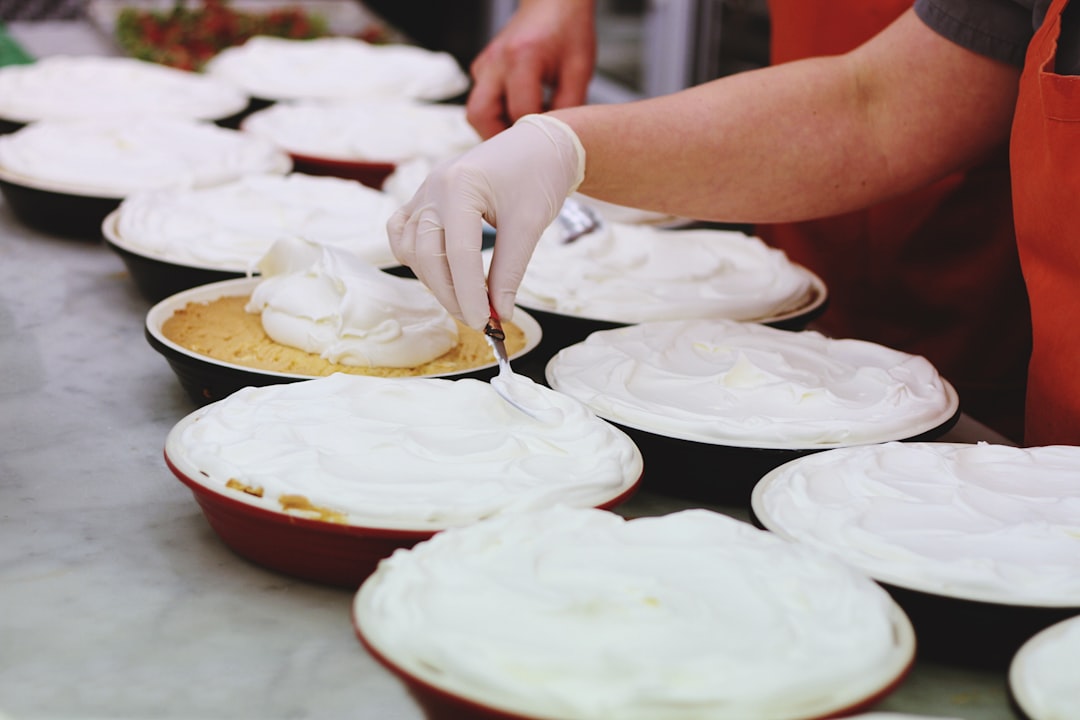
column 803, row 139
column 739, row 149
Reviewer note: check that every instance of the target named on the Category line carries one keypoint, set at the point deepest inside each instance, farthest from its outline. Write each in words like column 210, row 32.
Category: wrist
column 566, row 143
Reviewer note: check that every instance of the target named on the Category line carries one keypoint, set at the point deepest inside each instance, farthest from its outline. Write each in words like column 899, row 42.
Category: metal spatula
column 576, row 219
column 496, row 337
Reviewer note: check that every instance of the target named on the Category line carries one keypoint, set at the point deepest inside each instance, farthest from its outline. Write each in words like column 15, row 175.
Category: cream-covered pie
column 983, row 522
column 231, row 226
column 364, row 131
column 632, row 273
column 409, row 453
column 63, row 87
column 1043, row 674
column 315, row 310
column 580, row 614
column 112, row 158
column 748, row 385
column 338, row 68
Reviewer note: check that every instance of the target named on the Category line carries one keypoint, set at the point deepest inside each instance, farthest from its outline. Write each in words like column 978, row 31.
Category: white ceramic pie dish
column 208, row 379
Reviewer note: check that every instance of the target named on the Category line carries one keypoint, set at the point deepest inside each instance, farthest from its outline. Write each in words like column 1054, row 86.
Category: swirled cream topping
column 580, row 614
column 327, row 301
column 989, row 522
column 338, row 68
column 1043, row 674
column 109, row 158
column 365, row 131
column 745, row 384
column 72, row 87
column 231, row 226
column 629, row 274
column 412, row 453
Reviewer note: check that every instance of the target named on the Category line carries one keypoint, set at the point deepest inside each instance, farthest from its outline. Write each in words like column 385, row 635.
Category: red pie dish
column 362, row 140
column 382, row 464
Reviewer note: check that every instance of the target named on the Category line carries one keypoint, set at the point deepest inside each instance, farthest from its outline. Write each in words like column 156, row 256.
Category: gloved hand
column 517, row 181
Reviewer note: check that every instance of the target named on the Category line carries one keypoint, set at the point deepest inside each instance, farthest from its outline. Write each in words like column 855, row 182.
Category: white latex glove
column 517, row 181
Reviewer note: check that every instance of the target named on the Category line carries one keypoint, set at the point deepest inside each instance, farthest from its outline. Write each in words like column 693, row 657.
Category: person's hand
column 517, row 181
column 548, row 46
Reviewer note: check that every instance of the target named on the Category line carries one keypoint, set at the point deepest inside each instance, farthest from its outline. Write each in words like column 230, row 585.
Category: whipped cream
column 74, row 87
column 629, row 274
column 231, row 226
column 330, row 302
column 744, row 384
column 337, row 68
column 406, row 178
column 983, row 522
column 580, row 614
column 1043, row 673
column 364, row 131
column 410, row 453
column 110, row 158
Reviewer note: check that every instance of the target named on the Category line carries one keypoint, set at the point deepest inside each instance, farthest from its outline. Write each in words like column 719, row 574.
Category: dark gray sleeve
column 1067, row 61
column 999, row 29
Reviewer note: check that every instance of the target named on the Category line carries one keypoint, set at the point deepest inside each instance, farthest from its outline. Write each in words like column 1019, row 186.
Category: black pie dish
column 57, row 212
column 963, row 625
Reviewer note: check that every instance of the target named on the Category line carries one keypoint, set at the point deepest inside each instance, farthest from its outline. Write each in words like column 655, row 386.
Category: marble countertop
column 117, row 600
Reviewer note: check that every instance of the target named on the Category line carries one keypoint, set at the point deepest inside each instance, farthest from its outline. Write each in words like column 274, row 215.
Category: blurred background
column 645, row 47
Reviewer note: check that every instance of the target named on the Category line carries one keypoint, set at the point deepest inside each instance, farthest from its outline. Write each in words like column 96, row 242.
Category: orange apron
column 1046, row 192
column 934, row 272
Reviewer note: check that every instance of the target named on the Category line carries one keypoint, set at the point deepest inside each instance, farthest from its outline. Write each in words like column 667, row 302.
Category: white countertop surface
column 117, row 600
